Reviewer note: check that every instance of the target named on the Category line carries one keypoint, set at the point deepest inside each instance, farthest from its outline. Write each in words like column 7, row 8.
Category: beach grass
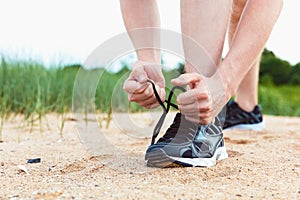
column 31, row 89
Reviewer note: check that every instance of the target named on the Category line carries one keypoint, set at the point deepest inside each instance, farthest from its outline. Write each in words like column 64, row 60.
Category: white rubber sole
column 219, row 154
column 252, row 127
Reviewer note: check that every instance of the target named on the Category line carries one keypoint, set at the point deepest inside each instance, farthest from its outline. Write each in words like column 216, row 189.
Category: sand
column 79, row 164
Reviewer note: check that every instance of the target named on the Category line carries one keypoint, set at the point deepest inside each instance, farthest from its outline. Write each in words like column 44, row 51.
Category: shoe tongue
column 179, row 124
column 177, row 120
column 185, row 123
column 185, row 131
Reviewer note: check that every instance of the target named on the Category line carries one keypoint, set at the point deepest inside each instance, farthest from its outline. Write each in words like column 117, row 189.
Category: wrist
column 230, row 78
column 149, row 55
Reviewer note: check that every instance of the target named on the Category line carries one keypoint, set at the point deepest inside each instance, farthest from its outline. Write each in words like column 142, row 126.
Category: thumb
column 138, row 74
column 191, row 79
column 132, row 86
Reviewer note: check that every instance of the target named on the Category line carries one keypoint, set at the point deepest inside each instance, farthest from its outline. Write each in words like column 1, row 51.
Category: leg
column 204, row 25
column 246, row 95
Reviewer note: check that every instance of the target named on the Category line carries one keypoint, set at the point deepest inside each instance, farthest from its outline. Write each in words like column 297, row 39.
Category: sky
column 67, row 31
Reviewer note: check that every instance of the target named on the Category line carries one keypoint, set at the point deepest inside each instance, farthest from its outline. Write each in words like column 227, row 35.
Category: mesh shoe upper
column 236, row 115
column 185, row 139
column 186, row 129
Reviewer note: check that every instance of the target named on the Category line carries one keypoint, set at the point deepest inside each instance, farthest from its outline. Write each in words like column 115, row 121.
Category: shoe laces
column 166, row 108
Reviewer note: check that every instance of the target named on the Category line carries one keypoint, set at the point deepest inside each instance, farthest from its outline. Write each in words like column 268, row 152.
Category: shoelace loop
column 165, row 108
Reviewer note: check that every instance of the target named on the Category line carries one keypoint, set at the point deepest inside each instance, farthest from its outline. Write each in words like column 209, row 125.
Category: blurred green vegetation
column 275, row 71
column 27, row 87
column 280, row 100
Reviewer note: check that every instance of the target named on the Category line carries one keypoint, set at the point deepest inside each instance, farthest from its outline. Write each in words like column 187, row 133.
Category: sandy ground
column 79, row 164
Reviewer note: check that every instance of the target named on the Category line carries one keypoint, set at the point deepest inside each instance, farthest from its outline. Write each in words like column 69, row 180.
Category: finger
column 191, row 79
column 193, row 119
column 132, row 86
column 142, row 95
column 162, row 94
column 191, row 96
column 188, row 109
column 148, row 98
column 147, row 103
column 186, row 98
column 196, row 107
column 138, row 73
column 198, row 120
column 150, row 103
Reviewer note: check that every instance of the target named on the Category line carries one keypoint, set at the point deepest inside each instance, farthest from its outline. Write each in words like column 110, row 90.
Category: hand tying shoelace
column 166, row 108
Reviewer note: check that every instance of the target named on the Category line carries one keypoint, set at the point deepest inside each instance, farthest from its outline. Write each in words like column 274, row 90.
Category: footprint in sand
column 228, row 140
column 232, row 153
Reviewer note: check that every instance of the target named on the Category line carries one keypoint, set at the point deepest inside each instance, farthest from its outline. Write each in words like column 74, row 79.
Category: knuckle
column 207, row 116
column 200, row 108
column 142, row 104
column 125, row 86
column 178, row 100
column 201, row 95
column 131, row 97
column 148, row 92
column 198, row 95
column 205, row 121
column 180, row 107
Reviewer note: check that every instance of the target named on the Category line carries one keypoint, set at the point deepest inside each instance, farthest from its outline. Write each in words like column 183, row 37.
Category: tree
column 295, row 75
column 279, row 70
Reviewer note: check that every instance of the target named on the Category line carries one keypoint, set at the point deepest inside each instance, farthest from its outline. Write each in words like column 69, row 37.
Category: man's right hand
column 137, row 87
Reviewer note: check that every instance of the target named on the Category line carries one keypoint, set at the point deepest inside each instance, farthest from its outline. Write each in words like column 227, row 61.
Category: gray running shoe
column 185, row 144
column 188, row 144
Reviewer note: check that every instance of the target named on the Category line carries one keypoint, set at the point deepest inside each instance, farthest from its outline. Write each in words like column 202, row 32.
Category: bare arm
column 251, row 36
column 139, row 16
column 142, row 23
column 209, row 94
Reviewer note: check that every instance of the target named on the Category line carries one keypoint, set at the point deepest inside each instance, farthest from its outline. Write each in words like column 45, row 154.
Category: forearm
column 251, row 36
column 141, row 19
